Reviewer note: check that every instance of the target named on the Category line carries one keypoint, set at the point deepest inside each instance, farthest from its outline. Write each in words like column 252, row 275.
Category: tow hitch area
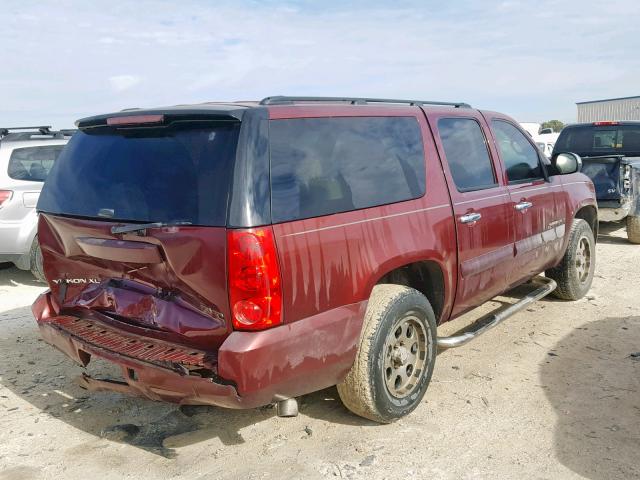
column 487, row 322
column 104, row 385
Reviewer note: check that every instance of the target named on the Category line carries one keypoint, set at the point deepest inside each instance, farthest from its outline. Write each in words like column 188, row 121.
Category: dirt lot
column 554, row 392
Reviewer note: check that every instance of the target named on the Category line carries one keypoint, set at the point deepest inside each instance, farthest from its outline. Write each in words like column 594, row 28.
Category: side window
column 466, row 151
column 520, row 158
column 33, row 163
column 321, row 166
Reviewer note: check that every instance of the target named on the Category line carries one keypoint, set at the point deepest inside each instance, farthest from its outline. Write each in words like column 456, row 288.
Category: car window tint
column 593, row 140
column 321, row 166
column 177, row 173
column 466, row 151
column 33, row 163
column 520, row 158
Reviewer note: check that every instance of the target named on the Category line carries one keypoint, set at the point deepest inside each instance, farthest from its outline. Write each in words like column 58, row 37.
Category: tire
column 371, row 388
column 633, row 229
column 574, row 273
column 35, row 261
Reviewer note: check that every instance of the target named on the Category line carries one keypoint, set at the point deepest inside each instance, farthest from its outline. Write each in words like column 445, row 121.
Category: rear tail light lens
column 605, row 123
column 255, row 291
column 5, row 195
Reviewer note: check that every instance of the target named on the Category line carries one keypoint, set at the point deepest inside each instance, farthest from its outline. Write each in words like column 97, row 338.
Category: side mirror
column 566, row 163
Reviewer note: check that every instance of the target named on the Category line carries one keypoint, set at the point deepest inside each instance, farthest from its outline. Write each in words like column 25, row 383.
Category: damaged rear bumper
column 249, row 370
column 614, row 211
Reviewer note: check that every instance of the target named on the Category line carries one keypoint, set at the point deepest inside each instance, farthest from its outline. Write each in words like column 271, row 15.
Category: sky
column 533, row 60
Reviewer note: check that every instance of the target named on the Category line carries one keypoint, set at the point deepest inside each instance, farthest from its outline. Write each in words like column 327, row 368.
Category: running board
column 495, row 318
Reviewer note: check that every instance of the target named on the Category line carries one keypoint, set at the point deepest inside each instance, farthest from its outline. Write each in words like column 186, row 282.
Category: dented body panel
column 184, row 294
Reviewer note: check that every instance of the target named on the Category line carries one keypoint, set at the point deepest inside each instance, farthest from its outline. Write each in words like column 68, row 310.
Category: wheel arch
column 589, row 214
column 426, row 276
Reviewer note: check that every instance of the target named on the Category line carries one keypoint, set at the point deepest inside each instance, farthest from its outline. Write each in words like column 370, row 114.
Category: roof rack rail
column 43, row 129
column 284, row 100
column 33, row 133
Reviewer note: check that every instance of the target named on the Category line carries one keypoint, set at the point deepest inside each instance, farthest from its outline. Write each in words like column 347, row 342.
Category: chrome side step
column 495, row 318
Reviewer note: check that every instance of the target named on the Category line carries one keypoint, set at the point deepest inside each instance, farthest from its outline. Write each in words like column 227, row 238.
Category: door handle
column 470, row 218
column 522, row 206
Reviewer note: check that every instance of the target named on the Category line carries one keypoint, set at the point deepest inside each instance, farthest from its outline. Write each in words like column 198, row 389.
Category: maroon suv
column 247, row 253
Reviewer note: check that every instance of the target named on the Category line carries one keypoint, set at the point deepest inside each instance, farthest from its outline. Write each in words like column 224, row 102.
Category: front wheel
column 574, row 273
column 397, row 353
column 633, row 229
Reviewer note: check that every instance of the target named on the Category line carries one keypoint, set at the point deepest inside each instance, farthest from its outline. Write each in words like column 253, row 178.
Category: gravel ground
column 554, row 392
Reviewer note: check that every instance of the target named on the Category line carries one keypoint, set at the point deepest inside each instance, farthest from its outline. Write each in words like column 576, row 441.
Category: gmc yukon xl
column 241, row 254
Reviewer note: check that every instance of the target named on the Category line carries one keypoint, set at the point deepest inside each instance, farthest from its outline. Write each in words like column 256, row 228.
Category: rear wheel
column 396, row 357
column 36, row 261
column 574, row 273
column 633, row 229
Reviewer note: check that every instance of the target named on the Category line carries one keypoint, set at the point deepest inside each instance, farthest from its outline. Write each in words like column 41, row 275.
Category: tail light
column 255, row 292
column 5, row 195
column 603, row 124
column 626, row 178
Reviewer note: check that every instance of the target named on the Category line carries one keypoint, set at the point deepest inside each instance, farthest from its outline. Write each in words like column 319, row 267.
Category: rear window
column 593, row 141
column 321, row 166
column 179, row 173
column 467, row 155
column 33, row 163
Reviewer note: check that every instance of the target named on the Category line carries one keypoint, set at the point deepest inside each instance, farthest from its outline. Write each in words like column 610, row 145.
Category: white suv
column 26, row 157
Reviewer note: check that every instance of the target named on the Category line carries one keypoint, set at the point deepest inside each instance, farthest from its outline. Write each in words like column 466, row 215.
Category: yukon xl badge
column 75, row 281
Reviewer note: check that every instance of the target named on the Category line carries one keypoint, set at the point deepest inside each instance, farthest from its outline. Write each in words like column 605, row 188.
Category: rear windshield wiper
column 138, row 227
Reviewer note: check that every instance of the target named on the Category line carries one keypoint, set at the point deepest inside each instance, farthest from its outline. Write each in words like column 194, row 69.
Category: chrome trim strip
column 574, row 183
column 515, row 190
column 330, row 227
column 479, row 199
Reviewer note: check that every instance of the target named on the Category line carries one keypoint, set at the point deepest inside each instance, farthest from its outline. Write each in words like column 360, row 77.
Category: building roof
column 608, row 100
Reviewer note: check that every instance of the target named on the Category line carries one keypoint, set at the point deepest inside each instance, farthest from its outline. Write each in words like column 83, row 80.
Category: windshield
column 179, row 173
column 593, row 140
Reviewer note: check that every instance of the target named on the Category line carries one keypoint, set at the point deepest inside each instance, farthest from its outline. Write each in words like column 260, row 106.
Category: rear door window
column 520, row 158
column 33, row 163
column 321, row 166
column 466, row 151
column 179, row 173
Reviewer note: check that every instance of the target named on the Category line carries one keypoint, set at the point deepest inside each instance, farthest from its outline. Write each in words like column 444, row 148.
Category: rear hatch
column 132, row 227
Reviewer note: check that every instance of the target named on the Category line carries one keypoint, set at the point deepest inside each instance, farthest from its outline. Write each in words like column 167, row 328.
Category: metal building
column 625, row 108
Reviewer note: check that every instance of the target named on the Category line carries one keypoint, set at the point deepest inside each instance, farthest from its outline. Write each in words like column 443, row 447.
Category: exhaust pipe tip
column 287, row 408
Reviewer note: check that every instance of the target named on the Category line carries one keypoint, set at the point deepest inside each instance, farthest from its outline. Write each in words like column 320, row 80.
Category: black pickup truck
column 610, row 154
